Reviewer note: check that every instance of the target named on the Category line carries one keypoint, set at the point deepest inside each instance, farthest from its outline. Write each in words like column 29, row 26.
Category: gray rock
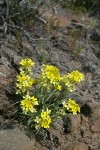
column 77, row 146
column 1, row 119
column 15, row 139
column 72, row 122
column 96, row 126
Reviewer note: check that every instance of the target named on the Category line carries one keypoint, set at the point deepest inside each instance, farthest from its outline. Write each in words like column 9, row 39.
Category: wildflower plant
column 45, row 97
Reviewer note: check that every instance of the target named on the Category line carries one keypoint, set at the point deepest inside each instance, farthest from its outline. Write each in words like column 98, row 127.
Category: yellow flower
column 24, row 82
column 37, row 120
column 44, row 114
column 28, row 103
column 71, row 79
column 71, row 106
column 27, row 63
column 44, row 120
column 38, row 123
column 68, row 84
column 75, row 76
column 65, row 105
column 50, row 75
column 58, row 87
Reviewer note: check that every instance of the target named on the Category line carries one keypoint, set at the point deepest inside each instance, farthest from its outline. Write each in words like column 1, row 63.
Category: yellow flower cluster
column 71, row 79
column 75, row 76
column 24, row 81
column 44, row 120
column 28, row 103
column 51, row 79
column 51, row 74
column 27, row 63
column 71, row 106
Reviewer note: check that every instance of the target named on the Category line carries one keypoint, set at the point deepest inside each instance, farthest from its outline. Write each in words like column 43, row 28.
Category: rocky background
column 46, row 32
